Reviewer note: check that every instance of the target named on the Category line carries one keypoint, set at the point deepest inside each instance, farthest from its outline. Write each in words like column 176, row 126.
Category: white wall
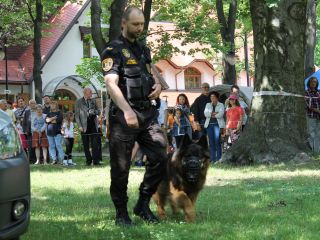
column 68, row 54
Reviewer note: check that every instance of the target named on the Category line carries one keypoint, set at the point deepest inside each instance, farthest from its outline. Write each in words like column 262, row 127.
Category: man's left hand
column 156, row 91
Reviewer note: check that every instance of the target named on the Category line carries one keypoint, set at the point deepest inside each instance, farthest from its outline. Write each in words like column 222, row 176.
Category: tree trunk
column 227, row 30
column 311, row 37
column 147, row 14
column 37, row 51
column 96, row 32
column 277, row 126
column 117, row 9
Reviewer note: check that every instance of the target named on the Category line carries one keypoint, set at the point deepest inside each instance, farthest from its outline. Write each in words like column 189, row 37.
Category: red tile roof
column 61, row 24
column 15, row 73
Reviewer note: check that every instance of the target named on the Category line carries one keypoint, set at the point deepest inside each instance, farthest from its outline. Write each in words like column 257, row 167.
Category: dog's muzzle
column 192, row 167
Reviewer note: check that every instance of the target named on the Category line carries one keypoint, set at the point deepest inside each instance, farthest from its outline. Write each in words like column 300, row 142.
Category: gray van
column 14, row 182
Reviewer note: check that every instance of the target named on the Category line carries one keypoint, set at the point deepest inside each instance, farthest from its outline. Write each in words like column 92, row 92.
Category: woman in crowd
column 183, row 104
column 39, row 137
column 313, row 113
column 54, row 120
column 180, row 126
column 67, row 131
column 214, row 112
column 234, row 118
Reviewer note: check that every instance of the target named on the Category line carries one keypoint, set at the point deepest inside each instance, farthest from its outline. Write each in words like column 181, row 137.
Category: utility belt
column 140, row 104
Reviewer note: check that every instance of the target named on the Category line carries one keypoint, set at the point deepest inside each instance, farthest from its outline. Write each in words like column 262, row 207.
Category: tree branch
column 147, row 13
column 96, row 32
column 232, row 19
column 221, row 18
column 117, row 9
column 30, row 11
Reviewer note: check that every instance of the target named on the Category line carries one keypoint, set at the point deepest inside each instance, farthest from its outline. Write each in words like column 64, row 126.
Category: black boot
column 122, row 217
column 142, row 210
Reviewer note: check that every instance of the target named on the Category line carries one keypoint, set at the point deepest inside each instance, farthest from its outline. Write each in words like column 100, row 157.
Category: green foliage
column 90, row 68
column 243, row 203
column 15, row 24
column 317, row 48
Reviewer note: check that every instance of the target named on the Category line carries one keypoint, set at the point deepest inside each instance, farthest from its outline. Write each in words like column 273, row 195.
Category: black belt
column 141, row 104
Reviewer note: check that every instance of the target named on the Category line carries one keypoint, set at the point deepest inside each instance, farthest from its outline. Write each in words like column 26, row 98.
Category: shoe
column 65, row 163
column 123, row 219
column 37, row 162
column 139, row 163
column 143, row 211
column 71, row 163
column 54, row 162
column 97, row 164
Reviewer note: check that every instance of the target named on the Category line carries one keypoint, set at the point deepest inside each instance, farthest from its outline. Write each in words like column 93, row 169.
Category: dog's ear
column 203, row 142
column 186, row 141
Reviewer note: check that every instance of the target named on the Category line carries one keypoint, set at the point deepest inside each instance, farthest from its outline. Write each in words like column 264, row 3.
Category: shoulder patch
column 126, row 53
column 109, row 48
column 107, row 64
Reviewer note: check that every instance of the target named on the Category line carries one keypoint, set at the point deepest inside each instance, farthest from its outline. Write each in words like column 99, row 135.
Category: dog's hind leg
column 160, row 200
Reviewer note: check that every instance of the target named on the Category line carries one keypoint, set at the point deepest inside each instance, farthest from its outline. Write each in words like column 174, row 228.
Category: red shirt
column 233, row 117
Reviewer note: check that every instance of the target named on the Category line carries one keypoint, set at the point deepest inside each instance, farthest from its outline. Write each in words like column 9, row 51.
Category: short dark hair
column 129, row 10
column 234, row 86
column 214, row 93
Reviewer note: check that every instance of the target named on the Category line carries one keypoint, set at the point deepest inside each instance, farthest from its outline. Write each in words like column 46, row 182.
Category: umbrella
column 315, row 74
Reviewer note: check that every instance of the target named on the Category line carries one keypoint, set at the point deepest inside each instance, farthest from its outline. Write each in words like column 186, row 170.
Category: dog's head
column 194, row 158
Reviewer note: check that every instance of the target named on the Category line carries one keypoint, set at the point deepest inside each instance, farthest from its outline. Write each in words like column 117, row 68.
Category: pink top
column 234, row 116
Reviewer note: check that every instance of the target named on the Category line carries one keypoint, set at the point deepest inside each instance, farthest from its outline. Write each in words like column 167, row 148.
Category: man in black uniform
column 133, row 117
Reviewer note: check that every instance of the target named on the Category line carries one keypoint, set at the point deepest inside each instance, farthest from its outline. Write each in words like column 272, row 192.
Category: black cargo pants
column 153, row 143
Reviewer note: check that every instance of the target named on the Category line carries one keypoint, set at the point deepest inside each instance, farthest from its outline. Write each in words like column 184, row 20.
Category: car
column 14, row 182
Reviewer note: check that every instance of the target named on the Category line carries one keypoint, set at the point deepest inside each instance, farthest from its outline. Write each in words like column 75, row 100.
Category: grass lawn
column 256, row 202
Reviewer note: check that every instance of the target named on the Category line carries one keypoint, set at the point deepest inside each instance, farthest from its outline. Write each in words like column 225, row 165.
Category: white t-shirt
column 68, row 132
column 163, row 107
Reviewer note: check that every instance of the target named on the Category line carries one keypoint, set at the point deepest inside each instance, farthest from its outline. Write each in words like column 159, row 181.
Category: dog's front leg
column 181, row 199
column 161, row 202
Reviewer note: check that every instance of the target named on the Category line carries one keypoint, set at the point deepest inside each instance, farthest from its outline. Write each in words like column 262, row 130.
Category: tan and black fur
column 186, row 175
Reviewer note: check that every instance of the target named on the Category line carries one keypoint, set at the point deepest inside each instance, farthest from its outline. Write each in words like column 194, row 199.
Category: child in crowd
column 234, row 118
column 54, row 120
column 39, row 137
column 180, row 126
column 67, row 131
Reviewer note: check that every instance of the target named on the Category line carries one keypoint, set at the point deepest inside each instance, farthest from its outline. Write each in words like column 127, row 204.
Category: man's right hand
column 131, row 118
column 80, row 129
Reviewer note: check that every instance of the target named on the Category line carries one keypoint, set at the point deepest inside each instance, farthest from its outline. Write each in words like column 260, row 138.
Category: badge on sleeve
column 126, row 53
column 107, row 64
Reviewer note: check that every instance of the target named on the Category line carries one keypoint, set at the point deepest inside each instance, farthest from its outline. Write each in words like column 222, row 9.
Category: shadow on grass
column 312, row 165
column 249, row 209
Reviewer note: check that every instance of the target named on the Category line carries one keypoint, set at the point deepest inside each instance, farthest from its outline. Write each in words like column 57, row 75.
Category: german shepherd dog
column 185, row 177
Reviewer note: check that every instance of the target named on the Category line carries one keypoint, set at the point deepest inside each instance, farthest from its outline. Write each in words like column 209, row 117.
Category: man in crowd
column 4, row 107
column 86, row 114
column 197, row 108
column 26, row 125
column 133, row 117
column 46, row 104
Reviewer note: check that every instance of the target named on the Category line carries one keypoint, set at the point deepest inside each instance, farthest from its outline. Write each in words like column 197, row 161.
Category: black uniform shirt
column 122, row 52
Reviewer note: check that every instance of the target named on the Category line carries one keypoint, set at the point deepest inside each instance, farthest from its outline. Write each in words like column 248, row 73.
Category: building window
column 86, row 48
column 192, row 78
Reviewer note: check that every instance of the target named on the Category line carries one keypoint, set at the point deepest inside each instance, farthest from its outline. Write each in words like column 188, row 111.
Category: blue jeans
column 55, row 142
column 213, row 131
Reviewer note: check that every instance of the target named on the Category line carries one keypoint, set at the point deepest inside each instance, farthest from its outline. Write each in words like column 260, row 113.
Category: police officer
column 133, row 117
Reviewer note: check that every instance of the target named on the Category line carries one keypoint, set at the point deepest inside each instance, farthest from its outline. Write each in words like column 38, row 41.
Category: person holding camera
column 86, row 112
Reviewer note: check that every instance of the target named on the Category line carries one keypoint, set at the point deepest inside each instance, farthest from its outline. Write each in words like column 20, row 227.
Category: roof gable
column 60, row 26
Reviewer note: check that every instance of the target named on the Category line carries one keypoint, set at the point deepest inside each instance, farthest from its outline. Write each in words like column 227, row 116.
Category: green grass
column 256, row 202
